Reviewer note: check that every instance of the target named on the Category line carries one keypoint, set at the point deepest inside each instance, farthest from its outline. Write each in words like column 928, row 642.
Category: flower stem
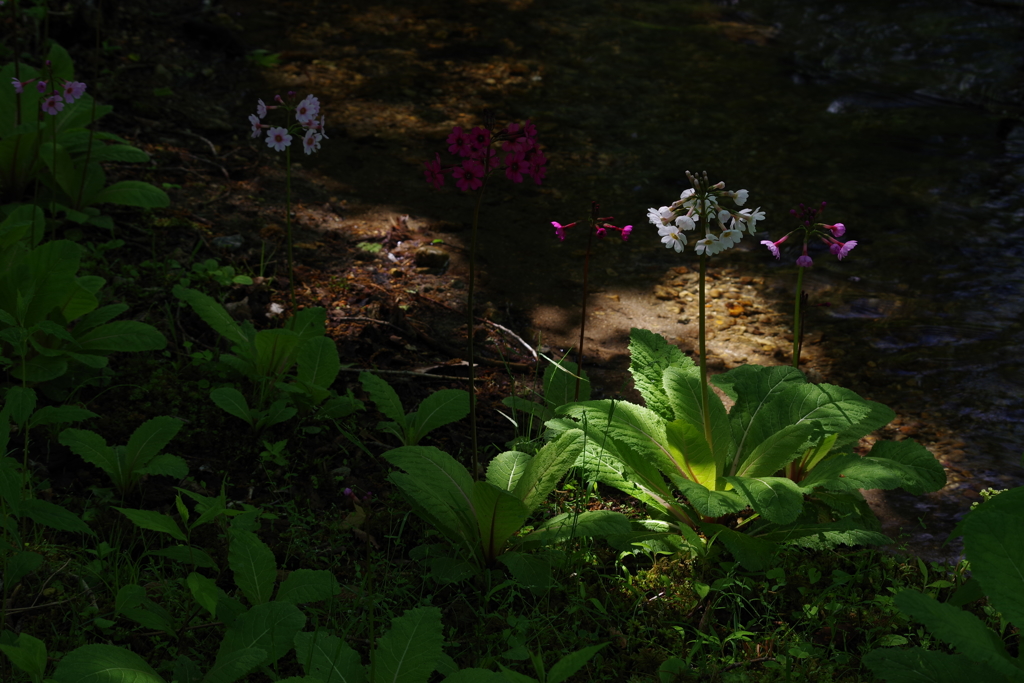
column 470, row 320
column 797, row 323
column 704, row 405
column 288, row 223
column 583, row 321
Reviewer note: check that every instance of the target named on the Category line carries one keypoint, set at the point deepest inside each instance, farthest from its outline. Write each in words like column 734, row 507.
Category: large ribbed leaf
column 994, row 543
column 408, row 653
column 545, row 469
column 499, row 514
column 506, row 469
column 650, row 356
column 683, row 387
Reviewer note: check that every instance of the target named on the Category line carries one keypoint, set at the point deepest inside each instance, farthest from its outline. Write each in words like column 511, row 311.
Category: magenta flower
column 53, row 104
column 837, row 230
column 40, row 86
column 626, row 231
column 311, row 141
column 458, row 142
column 278, row 139
column 805, row 261
column 560, row 229
column 434, row 173
column 537, row 166
column 469, row 176
column 73, row 90
column 257, row 127
column 841, row 249
column 774, row 246
column 515, row 166
column 479, row 140
column 18, row 85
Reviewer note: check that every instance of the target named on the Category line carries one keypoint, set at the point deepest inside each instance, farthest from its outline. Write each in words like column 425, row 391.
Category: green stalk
column 704, row 405
column 583, row 322
column 470, row 318
column 288, row 224
column 798, row 335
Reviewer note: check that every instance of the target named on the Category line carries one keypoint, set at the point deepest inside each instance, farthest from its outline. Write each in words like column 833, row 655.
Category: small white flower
column 723, row 217
column 730, row 238
column 672, row 238
column 708, row 245
column 685, row 223
column 740, row 197
column 751, row 217
column 662, row 216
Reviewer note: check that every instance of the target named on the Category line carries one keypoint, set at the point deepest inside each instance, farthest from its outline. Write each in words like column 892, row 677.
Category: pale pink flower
column 841, row 249
column 53, row 104
column 278, row 138
column 838, row 230
column 257, row 127
column 433, row 172
column 774, row 246
column 18, row 85
column 261, row 109
column 311, row 141
column 804, row 261
column 321, row 128
column 307, row 109
column 560, row 229
column 73, row 90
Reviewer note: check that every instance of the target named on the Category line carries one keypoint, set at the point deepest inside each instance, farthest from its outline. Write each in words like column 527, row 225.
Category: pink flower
column 804, row 261
column 626, row 231
column 515, row 166
column 311, row 141
column 18, row 85
column 257, row 127
column 537, row 169
column 560, row 229
column 837, row 230
column 433, row 172
column 529, row 130
column 261, row 109
column 40, row 86
column 73, row 90
column 458, row 142
column 469, row 176
column 307, row 109
column 600, row 230
column 278, row 138
column 774, row 246
column 479, row 139
column 321, row 128
column 53, row 104
column 841, row 249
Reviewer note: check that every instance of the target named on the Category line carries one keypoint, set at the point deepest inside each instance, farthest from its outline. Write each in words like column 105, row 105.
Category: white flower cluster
column 701, row 203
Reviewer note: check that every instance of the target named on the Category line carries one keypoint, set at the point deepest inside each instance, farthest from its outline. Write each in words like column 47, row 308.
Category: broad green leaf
column 232, row 402
column 499, row 514
column 270, row 627
column 253, row 564
column 436, row 410
column 99, row 316
column 214, row 315
column 186, row 671
column 688, row 455
column 328, row 658
column 167, row 465
column 507, row 468
column 711, row 503
column 753, row 387
column 54, row 516
column 994, row 544
column 154, row 521
column 969, row 634
column 20, row 565
column 278, row 412
column 683, row 388
column 128, row 595
column 384, row 397
column 100, row 663
column 133, row 193
column 29, row 655
column 308, row 323
column 19, row 403
column 308, row 585
column 778, row 499
column 409, row 652
column 755, row 554
column 851, row 472
column 49, row 415
column 918, row 665
column 318, row 362
column 189, row 555
column 571, row 663
column 545, row 469
column 475, row 675
column 230, row 666
column 589, row 524
column 825, row 536
column 123, row 335
column 530, row 571
column 205, row 591
column 78, row 301
column 775, row 451
column 148, row 439
column 560, row 384
column 120, row 153
column 276, row 351
column 650, row 356
column 922, row 473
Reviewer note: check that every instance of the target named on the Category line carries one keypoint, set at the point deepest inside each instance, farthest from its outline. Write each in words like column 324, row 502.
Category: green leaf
column 133, row 193
column 384, row 397
column 233, row 402
column 589, row 524
column 921, row 472
column 29, row 655
column 328, row 658
column 560, row 384
column 683, row 388
column 530, row 571
column 776, row 451
column 205, row 591
column 778, row 499
column 755, row 554
column 20, row 565
column 54, row 516
column 186, row 671
column 650, row 357
column 119, row 153
column 186, row 555
column 499, row 514
column 507, row 468
column 270, row 627
column 123, row 335
column 148, row 439
column 851, row 472
column 276, row 351
column 128, row 595
column 19, row 404
column 711, row 503
column 214, row 315
column 231, row 666
column 686, row 455
column 476, row 675
column 49, row 415
column 167, row 465
column 994, row 544
column 100, row 663
column 409, row 651
column 544, row 470
column 253, row 564
column 966, row 632
column 278, row 412
column 154, row 521
column 438, row 409
column 918, row 665
column 308, row 585
column 571, row 663
column 318, row 362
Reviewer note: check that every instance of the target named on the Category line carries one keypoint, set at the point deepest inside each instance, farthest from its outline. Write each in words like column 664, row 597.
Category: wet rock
column 228, row 242
column 431, row 257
